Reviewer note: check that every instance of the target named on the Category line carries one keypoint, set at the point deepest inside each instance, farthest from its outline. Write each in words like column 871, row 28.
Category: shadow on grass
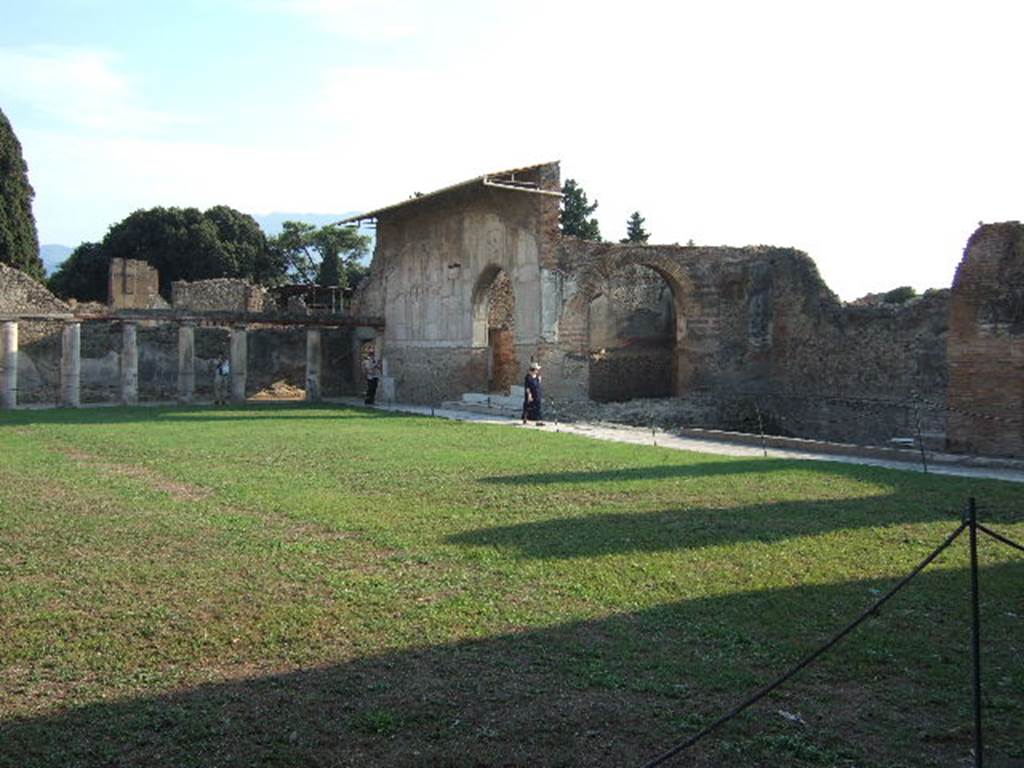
column 594, row 535
column 609, row 692
column 193, row 413
column 701, row 467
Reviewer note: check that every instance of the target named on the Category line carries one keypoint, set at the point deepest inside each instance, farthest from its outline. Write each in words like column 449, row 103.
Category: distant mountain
column 53, row 255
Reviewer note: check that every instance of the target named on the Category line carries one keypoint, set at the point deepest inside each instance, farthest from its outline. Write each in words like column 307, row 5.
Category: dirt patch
column 280, row 390
column 175, row 489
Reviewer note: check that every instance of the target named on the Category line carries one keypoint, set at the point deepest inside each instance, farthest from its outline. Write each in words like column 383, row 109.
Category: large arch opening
column 494, row 327
column 632, row 336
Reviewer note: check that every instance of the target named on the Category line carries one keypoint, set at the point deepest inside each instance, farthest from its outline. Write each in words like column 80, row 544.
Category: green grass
column 282, row 586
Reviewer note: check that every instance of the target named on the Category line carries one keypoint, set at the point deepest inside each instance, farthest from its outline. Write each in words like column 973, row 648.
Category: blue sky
column 873, row 135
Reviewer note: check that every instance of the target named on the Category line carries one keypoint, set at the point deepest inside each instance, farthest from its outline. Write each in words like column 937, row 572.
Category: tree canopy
column 181, row 243
column 635, row 232
column 328, row 255
column 575, row 217
column 19, row 241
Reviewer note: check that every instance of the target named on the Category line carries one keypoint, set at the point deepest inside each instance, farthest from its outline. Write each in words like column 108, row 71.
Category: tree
column 327, row 255
column 635, row 229
column 576, row 210
column 900, row 295
column 180, row 243
column 83, row 275
column 19, row 241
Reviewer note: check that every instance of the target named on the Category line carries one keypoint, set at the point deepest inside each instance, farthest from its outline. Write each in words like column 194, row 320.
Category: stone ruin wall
column 986, row 344
column 220, row 295
column 758, row 334
column 434, row 266
column 133, row 284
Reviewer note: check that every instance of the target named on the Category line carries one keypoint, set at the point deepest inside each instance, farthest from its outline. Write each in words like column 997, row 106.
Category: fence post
column 972, row 518
column 760, row 429
column 920, row 438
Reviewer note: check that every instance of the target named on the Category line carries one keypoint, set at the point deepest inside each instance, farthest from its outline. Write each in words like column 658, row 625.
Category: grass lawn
column 299, row 586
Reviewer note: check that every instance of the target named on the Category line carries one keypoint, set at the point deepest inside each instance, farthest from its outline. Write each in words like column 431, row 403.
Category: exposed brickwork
column 986, row 344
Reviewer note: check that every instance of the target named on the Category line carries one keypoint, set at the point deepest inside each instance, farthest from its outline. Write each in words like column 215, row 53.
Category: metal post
column 972, row 518
column 920, row 439
column 760, row 429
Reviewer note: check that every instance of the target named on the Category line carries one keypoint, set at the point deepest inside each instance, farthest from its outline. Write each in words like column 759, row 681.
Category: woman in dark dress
column 532, row 396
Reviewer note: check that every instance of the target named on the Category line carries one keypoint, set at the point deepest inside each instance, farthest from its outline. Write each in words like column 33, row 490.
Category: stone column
column 239, row 363
column 186, row 362
column 9, row 365
column 129, row 364
column 71, row 365
column 314, row 357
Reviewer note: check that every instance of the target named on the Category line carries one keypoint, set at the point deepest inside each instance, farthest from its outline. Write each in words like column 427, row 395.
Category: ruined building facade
column 739, row 337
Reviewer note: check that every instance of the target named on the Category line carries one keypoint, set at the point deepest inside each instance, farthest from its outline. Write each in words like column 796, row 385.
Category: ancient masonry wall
column 986, row 344
column 220, row 295
column 759, row 339
column 431, row 278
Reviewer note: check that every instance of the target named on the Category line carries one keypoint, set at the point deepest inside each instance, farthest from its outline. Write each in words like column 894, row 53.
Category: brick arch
column 575, row 322
column 481, row 289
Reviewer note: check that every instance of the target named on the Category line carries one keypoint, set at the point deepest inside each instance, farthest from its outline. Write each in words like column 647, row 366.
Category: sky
column 874, row 136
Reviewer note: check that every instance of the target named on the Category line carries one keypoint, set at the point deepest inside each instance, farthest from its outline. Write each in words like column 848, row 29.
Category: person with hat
column 532, row 395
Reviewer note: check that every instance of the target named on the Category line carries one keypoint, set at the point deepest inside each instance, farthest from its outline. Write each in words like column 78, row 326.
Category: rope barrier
column 673, row 751
column 998, row 537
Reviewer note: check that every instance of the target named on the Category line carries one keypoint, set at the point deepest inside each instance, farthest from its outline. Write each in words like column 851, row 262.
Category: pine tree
column 19, row 243
column 576, row 210
column 635, row 229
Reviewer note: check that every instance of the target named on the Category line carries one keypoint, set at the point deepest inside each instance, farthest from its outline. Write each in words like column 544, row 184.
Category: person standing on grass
column 533, row 395
column 221, row 381
column 371, row 370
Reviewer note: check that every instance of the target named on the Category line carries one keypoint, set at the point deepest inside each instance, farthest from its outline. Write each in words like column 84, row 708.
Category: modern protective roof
column 500, row 179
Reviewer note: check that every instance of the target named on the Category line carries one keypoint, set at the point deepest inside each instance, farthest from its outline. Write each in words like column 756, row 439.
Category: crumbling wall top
column 22, row 295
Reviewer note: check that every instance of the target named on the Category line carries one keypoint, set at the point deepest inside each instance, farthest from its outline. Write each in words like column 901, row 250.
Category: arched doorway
column 494, row 327
column 632, row 336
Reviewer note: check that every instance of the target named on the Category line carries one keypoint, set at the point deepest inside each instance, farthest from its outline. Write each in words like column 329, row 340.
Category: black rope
column 808, row 659
column 999, row 537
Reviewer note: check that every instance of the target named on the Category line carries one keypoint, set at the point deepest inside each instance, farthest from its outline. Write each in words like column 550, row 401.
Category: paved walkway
column 722, row 444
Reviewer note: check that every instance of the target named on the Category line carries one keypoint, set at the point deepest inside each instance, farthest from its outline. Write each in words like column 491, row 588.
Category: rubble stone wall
column 758, row 339
column 219, row 295
column 21, row 294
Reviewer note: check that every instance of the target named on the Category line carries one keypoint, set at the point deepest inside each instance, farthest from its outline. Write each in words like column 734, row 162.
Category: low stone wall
column 219, row 295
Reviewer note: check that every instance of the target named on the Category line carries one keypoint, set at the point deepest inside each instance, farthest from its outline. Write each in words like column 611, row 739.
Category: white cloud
column 80, row 87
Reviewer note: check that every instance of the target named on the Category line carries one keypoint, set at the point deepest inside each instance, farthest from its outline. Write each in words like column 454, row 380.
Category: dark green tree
column 19, row 241
column 83, row 275
column 900, row 295
column 181, row 243
column 635, row 229
column 327, row 255
column 575, row 217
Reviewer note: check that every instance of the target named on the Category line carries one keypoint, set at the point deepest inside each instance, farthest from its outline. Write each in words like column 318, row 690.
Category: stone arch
column 494, row 326
column 575, row 323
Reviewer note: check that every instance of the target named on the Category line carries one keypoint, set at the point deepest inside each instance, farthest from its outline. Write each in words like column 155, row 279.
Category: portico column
column 129, row 364
column 71, row 365
column 186, row 362
column 313, row 363
column 9, row 365
column 239, row 363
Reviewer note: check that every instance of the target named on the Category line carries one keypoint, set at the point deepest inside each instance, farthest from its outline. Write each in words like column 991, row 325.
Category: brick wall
column 986, row 344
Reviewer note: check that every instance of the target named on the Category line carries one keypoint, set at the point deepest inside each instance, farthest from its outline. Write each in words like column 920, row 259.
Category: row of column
column 71, row 364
